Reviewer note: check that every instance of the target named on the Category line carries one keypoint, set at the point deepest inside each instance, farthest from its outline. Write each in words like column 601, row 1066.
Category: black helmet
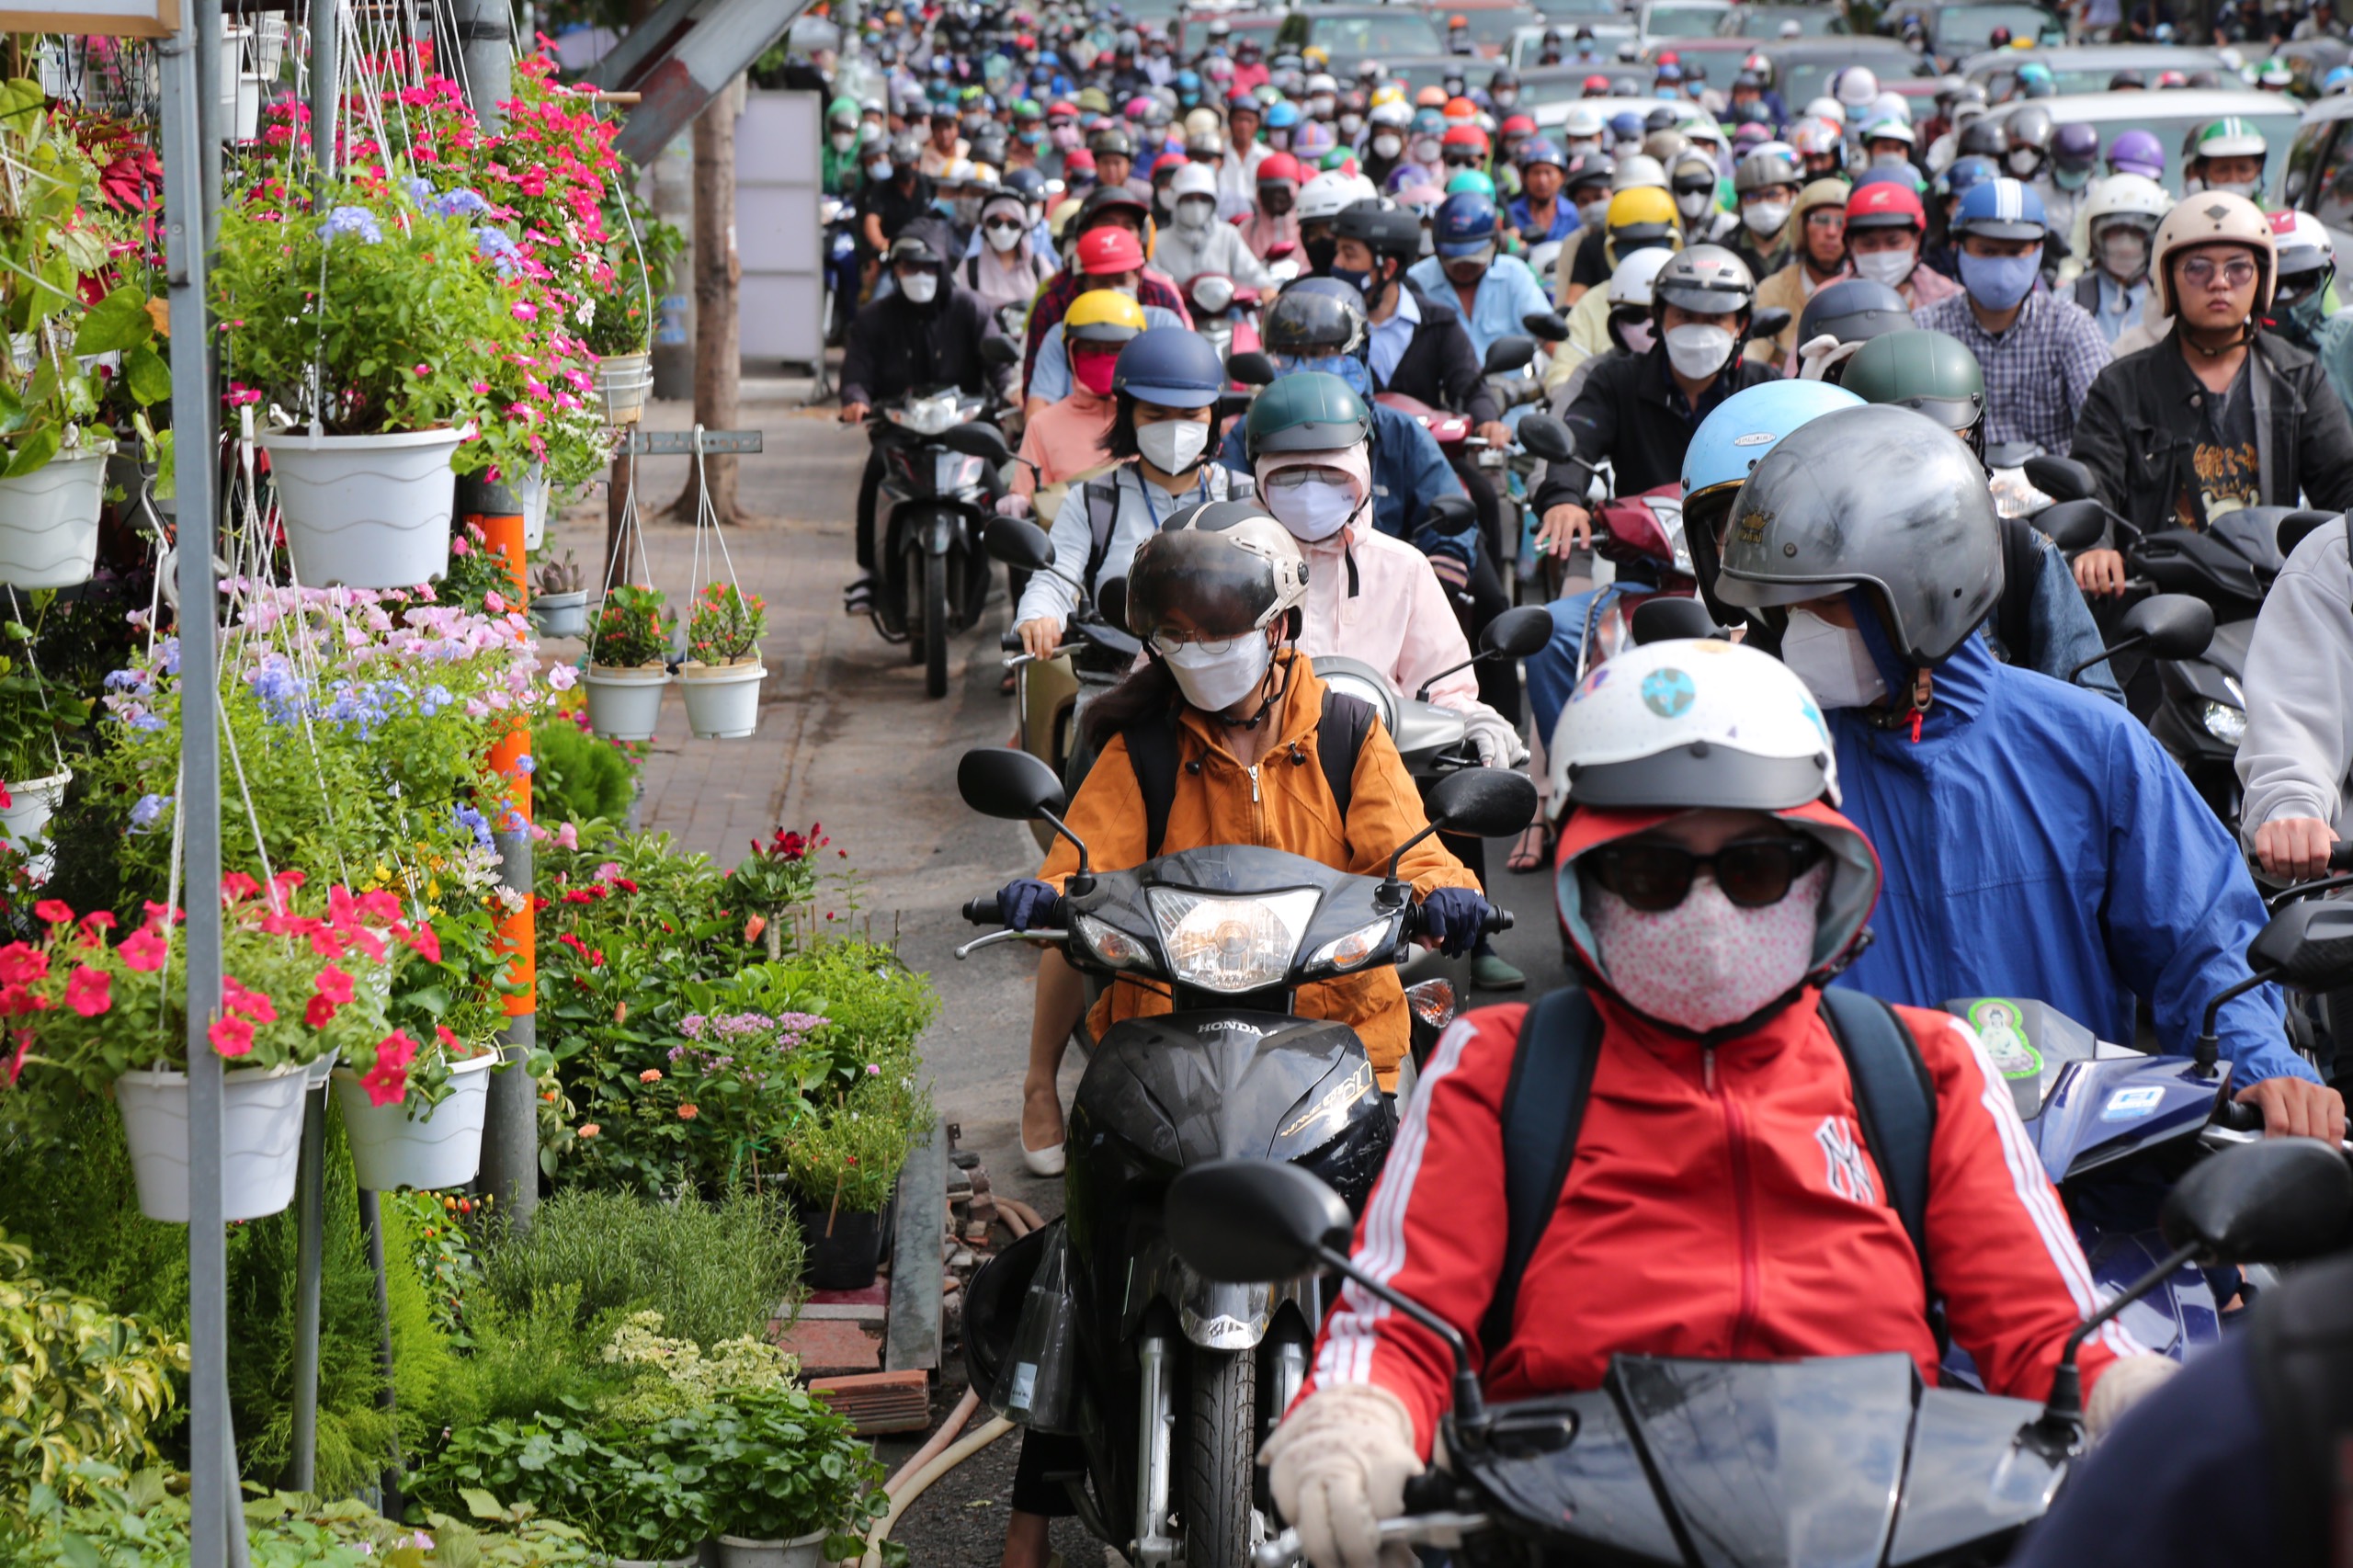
column 1384, row 230
column 1981, row 138
column 1316, row 316
column 1659, row 119
column 1707, row 281
column 1852, row 309
column 1225, row 568
column 1113, row 141
column 1877, row 498
column 1928, row 372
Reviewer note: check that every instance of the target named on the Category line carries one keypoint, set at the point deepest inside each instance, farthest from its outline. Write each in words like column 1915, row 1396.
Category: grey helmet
column 1877, row 498
column 1707, row 281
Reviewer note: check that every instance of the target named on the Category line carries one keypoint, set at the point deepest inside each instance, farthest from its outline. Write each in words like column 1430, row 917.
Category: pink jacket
column 1927, row 287
column 1064, row 439
column 1391, row 612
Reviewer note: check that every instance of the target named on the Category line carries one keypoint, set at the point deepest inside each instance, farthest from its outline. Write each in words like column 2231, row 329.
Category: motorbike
column 1092, row 1327
column 940, row 459
column 837, row 219
column 1225, row 315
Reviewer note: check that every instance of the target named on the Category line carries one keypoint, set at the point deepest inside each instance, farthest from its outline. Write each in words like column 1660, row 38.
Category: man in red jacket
column 1722, row 1202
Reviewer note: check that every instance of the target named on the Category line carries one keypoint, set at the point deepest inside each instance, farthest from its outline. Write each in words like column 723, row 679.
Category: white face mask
column 879, row 169
column 1707, row 963
column 1215, row 682
column 1638, row 336
column 1312, row 510
column 1195, row 214
column 843, row 141
column 1831, row 660
column 1350, row 124
column 2124, row 257
column 1765, row 218
column 1698, row 352
column 1581, row 144
column 1692, row 204
column 1888, row 267
column 2250, row 188
column 1427, row 152
column 1173, row 445
column 1002, row 240
column 1593, row 214
column 921, row 288
column 1386, row 146
column 1889, row 160
column 2024, row 162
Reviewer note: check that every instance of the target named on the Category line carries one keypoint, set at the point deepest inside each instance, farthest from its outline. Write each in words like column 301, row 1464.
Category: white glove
column 1014, row 505
column 1816, row 355
column 1497, row 739
column 1337, row 1465
column 2128, row 1382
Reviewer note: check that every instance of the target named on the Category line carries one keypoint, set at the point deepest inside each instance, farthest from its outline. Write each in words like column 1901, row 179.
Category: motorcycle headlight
column 953, row 472
column 2224, row 723
column 1230, row 944
column 1112, row 945
column 1213, row 294
column 1353, row 948
column 928, row 415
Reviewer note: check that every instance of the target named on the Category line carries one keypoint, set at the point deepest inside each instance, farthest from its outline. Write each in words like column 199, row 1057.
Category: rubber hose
column 936, row 1441
column 1029, row 1216
column 940, row 1465
column 1011, row 1222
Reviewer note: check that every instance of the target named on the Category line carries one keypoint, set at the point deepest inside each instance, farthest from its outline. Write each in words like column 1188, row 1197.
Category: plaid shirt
column 2037, row 374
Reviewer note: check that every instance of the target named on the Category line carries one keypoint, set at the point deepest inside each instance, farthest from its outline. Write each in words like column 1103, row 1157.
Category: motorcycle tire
column 1220, row 1523
column 934, row 625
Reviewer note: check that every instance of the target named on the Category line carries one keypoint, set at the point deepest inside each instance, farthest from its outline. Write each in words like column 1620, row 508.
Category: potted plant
column 788, row 1481
column 560, row 603
column 626, row 667
column 721, row 675
column 36, row 715
column 842, row 1164
column 297, row 986
column 621, row 334
column 425, row 1132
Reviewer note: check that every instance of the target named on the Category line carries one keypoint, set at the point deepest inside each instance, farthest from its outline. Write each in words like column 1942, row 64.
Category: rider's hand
column 1025, row 902
column 1495, row 433
column 1452, row 918
column 1013, row 505
column 2295, row 1108
column 1495, row 738
column 1337, row 1465
column 1565, row 528
column 1817, row 356
column 2100, row 572
column 1041, row 637
column 2128, row 1381
column 854, row 413
column 2294, row 849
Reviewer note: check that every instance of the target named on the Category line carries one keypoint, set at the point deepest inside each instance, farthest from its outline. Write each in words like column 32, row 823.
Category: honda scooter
column 932, row 578
column 1171, row 1380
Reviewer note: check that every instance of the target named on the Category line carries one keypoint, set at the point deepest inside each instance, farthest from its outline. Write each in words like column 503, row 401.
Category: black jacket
column 2141, row 424
column 896, row 346
column 1631, row 412
column 1439, row 366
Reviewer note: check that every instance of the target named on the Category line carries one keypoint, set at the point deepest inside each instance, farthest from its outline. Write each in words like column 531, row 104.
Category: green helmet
column 1307, row 411
column 842, row 110
column 1928, row 371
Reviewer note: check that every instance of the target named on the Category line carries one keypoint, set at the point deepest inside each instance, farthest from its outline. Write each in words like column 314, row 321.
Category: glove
column 1025, row 903
column 1451, row 555
column 1817, row 355
column 1013, row 505
column 2128, row 1381
column 1452, row 918
column 1338, row 1463
column 1497, row 740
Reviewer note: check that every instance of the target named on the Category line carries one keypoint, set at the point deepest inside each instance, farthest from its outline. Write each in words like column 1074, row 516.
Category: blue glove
column 1027, row 903
column 1452, row 917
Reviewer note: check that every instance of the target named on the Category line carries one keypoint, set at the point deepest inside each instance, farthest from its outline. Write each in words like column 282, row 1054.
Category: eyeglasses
column 1168, row 642
column 1654, row 875
column 2199, row 271
column 1292, row 478
column 1828, row 220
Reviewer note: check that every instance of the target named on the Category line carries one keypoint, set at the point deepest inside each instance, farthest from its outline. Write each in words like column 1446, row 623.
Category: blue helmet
column 1172, row 366
column 1282, row 115
column 1964, row 174
column 1187, row 80
column 1728, row 444
column 2001, row 209
column 1881, row 174
column 1465, row 222
column 1626, row 126
column 1536, row 150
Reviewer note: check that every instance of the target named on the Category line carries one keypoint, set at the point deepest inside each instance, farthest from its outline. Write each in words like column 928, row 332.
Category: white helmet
column 1193, row 179
column 2133, row 197
column 1582, row 122
column 1637, row 170
column 1857, row 86
column 1888, row 129
column 1391, row 112
column 1891, row 105
column 1330, row 192
column 1630, row 284
column 1830, row 109
column 1322, row 81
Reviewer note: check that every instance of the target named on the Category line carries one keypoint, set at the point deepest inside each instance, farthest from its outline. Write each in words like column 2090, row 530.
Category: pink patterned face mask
column 1707, row 963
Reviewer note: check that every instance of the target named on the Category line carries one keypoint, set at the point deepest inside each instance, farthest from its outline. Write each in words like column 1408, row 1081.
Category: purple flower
column 355, row 220
column 500, row 251
column 460, row 203
column 148, row 811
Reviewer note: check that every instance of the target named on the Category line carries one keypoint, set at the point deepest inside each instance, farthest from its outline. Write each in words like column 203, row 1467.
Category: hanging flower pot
column 49, row 522
column 561, row 615
column 722, row 700
column 30, row 805
column 801, row 1551
column 261, row 1136
column 623, row 381
column 624, row 703
column 366, row 511
column 411, row 1144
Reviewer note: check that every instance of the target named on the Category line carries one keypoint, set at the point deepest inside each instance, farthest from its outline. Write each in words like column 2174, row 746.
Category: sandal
column 1533, row 851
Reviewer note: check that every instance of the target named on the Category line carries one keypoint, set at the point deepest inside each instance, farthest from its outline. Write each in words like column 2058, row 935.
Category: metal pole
column 486, row 35
column 191, row 176
column 326, row 82
column 371, row 1226
column 309, row 1266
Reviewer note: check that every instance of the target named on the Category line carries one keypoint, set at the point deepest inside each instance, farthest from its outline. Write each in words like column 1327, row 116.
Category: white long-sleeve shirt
column 2298, row 749
column 1143, row 507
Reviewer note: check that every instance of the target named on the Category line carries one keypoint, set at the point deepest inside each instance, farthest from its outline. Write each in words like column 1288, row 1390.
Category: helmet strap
column 1267, row 706
column 1917, row 701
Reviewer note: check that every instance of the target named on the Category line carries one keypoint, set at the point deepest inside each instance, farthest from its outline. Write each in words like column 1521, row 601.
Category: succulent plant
column 560, row 576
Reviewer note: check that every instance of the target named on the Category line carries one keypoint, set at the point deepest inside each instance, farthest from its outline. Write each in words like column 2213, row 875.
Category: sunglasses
column 1654, row 876
column 1015, row 224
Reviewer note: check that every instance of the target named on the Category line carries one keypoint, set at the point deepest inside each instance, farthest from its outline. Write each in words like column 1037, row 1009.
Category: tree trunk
column 718, row 359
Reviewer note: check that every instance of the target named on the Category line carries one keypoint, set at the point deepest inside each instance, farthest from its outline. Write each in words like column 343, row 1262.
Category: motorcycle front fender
column 1213, row 1315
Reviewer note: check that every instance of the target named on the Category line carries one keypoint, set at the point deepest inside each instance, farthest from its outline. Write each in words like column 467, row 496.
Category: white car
column 1666, row 22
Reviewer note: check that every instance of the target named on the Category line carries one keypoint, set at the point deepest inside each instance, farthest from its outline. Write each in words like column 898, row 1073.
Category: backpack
column 1151, row 752
column 2021, row 565
column 1103, row 514
column 1552, row 1077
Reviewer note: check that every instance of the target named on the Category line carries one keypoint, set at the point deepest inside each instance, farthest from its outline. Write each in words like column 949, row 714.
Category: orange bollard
column 518, row 934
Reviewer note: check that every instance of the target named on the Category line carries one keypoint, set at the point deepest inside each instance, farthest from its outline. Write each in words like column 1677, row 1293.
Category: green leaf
column 481, row 1504
column 32, row 454
column 116, row 324
column 146, row 375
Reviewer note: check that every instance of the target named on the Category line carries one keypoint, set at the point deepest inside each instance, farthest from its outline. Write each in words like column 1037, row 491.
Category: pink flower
column 493, row 601
column 523, row 310
column 20, row 964
column 319, row 1012
column 425, row 370
column 334, row 985
column 239, row 998
column 145, row 951
column 56, row 910
column 87, row 990
column 230, row 1036
column 387, row 1081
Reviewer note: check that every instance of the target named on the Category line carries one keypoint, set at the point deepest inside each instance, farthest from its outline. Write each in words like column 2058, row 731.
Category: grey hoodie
column 2298, row 744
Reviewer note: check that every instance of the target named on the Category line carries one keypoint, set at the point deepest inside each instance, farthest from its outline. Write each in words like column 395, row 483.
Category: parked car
column 1668, row 21
column 1767, row 21
column 2317, row 174
column 2086, row 68
column 1957, row 28
column 1349, row 35
column 1802, row 67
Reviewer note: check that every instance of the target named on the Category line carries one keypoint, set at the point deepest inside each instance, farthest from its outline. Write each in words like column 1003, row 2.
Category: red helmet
column 1668, row 57
column 1465, row 136
column 1109, row 248
column 1595, row 87
column 1885, row 204
column 1279, row 165
column 1461, row 109
column 1518, row 125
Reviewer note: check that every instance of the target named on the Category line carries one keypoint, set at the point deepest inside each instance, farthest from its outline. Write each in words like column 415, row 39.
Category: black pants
column 1045, row 1454
column 1498, row 678
column 870, row 491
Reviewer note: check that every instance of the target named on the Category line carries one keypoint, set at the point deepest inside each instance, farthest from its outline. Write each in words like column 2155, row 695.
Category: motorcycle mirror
column 1452, row 513
column 1770, row 322
column 998, row 781
column 1251, row 367
column 1017, row 543
column 1483, row 802
column 2171, row 625
column 2308, row 944
column 1664, row 617
column 2297, row 526
column 1281, row 250
column 1549, row 326
column 1111, row 601
column 2072, row 525
column 1546, row 437
column 1518, row 633
column 1510, row 353
column 2061, row 479
column 2275, row 1201
column 1231, row 406
column 999, row 351
column 978, row 439
column 1253, row 1222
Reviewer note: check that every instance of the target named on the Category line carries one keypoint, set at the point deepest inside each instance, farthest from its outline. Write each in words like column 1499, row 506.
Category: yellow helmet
column 1059, row 219
column 1102, row 315
column 1390, row 92
column 1315, row 56
column 1638, row 206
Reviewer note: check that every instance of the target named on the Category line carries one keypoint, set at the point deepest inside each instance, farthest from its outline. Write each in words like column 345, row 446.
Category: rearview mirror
column 1549, row 326
column 2298, row 526
column 1664, row 617
column 1770, row 322
column 2275, row 1201
column 2170, row 626
column 1253, row 1222
column 1020, row 544
column 978, row 439
column 2061, row 479
column 1452, row 513
column 1546, row 437
column 1111, row 602
column 1520, row 633
column 1251, row 367
column 1231, row 406
column 998, row 781
column 999, row 352
column 1508, row 353
column 1478, row 803
column 2072, row 525
column 2309, row 944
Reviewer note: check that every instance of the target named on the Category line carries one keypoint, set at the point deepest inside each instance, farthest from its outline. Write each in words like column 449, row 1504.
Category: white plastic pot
column 261, row 1137
column 801, row 1551
column 624, row 704
column 722, row 700
column 561, row 615
column 425, row 1147
column 531, row 489
column 366, row 511
column 623, row 381
column 49, row 522
column 30, row 805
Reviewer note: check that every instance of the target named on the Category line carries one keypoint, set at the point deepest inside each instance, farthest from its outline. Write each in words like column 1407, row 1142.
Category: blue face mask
column 1998, row 282
column 1347, row 367
column 1361, row 281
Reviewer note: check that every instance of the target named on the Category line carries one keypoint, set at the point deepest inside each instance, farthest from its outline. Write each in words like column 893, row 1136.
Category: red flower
column 325, row 943
column 230, row 1036
column 423, row 937
column 164, row 913
column 334, row 984
column 624, row 884
column 387, row 1081
column 24, row 1042
column 20, row 964
column 446, row 1035
column 239, row 998
column 319, row 1012
column 575, row 943
column 56, row 910
column 145, row 951
column 87, row 990
column 236, row 885
column 16, row 999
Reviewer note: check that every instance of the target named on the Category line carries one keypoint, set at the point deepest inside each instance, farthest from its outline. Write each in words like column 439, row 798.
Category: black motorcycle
column 1168, row 1379
column 939, row 480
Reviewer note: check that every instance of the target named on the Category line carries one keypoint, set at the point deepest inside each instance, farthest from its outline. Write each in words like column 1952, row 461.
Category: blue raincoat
column 2039, row 843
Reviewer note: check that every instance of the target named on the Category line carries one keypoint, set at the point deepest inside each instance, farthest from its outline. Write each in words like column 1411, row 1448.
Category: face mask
column 1386, row 146
column 1998, row 282
column 1692, row 203
column 2249, row 188
column 1888, row 267
column 1707, row 963
column 1698, row 352
column 1215, row 682
column 1064, row 137
column 1350, row 124
column 2124, row 257
column 1033, row 139
column 1577, row 147
column 1173, row 445
column 1195, row 214
column 1002, row 240
column 2024, row 162
column 1765, row 219
column 2302, row 319
column 1506, row 98
column 843, row 141
column 1093, row 371
column 1313, row 510
column 1319, row 255
column 879, row 169
column 1831, row 660
column 1594, row 213
column 1428, row 151
column 968, row 209
column 920, row 288
column 1279, row 140
column 2070, row 179
column 1639, row 336
column 1274, row 200
column 1354, row 278
column 1320, row 105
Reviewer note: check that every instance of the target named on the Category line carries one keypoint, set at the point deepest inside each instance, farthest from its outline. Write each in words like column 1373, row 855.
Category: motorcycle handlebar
column 1010, row 641
column 2239, row 1117
column 984, row 912
column 2340, row 855
column 1429, row 1492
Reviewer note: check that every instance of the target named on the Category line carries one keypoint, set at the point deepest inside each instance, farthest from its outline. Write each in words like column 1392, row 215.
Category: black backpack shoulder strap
column 2087, row 291
column 1340, row 740
column 973, row 271
column 1151, row 752
column 1895, row 1099
column 1552, row 1077
column 1102, row 517
column 2303, row 1337
column 2021, row 569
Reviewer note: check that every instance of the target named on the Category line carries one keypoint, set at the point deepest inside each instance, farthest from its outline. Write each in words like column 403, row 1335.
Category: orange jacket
column 1282, row 804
